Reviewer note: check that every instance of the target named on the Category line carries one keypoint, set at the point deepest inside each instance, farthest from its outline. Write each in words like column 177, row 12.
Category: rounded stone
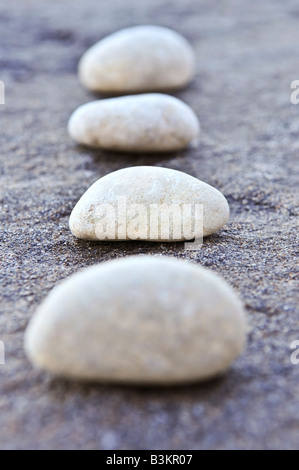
column 138, row 59
column 151, row 122
column 149, row 203
column 143, row 320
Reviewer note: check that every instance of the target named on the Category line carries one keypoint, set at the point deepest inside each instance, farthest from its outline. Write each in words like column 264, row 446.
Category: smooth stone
column 121, row 206
column 138, row 59
column 144, row 319
column 140, row 123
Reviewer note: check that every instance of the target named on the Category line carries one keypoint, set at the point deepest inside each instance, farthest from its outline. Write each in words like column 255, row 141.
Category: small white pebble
column 140, row 123
column 123, row 321
column 138, row 59
column 149, row 203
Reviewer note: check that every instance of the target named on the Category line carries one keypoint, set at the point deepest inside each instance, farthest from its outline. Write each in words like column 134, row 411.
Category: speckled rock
column 144, row 123
column 148, row 203
column 248, row 150
column 143, row 319
column 142, row 58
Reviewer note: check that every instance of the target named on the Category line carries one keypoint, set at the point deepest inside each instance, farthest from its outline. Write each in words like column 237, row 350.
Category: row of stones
column 149, row 320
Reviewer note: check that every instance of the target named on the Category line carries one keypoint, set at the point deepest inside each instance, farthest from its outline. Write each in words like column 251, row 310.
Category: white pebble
column 149, row 203
column 138, row 59
column 147, row 320
column 140, row 123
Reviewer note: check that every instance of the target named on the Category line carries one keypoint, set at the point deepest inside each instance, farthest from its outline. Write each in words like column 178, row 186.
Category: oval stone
column 143, row 320
column 138, row 59
column 149, row 203
column 140, row 123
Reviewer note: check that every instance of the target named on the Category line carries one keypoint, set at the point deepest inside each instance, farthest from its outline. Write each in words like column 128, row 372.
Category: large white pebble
column 147, row 320
column 148, row 203
column 142, row 58
column 140, row 123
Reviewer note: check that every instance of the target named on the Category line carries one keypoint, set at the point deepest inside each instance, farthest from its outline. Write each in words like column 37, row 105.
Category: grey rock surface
column 247, row 57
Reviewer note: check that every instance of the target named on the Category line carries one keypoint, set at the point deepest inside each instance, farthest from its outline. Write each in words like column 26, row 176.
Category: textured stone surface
column 142, row 320
column 151, row 122
column 247, row 56
column 149, row 203
column 143, row 58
